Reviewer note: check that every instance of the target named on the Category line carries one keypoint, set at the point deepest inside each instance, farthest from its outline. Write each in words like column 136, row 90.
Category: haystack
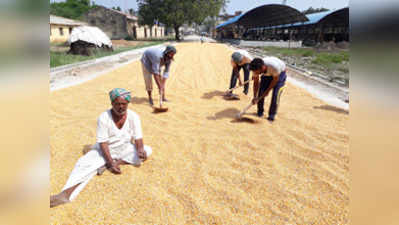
column 85, row 40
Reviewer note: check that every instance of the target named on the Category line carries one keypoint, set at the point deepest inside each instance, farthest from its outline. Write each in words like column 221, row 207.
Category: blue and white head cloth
column 119, row 92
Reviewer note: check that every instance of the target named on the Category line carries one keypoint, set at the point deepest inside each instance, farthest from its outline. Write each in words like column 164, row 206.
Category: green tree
column 117, row 8
column 132, row 12
column 73, row 9
column 175, row 13
column 209, row 23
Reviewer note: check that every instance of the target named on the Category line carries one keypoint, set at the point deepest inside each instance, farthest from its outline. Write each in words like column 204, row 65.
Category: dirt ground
column 124, row 43
column 206, row 167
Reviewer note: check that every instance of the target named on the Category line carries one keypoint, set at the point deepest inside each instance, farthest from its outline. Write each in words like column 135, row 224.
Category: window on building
column 93, row 22
column 70, row 30
column 61, row 31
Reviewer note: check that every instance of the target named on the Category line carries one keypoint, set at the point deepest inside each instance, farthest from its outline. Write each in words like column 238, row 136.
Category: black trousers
column 277, row 91
column 234, row 77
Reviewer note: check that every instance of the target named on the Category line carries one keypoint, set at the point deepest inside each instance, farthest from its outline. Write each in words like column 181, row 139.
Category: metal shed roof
column 230, row 21
column 271, row 15
column 267, row 15
column 339, row 16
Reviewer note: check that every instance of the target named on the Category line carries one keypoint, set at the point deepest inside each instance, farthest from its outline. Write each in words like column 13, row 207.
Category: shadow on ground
column 233, row 98
column 210, row 95
column 139, row 100
column 229, row 113
column 332, row 108
column 245, row 120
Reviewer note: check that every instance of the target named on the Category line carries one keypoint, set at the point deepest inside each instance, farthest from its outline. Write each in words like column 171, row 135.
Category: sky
column 243, row 5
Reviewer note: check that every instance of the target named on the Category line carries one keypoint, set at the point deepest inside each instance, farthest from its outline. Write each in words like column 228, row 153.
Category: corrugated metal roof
column 267, row 15
column 230, row 21
column 312, row 19
column 65, row 21
column 316, row 17
column 271, row 15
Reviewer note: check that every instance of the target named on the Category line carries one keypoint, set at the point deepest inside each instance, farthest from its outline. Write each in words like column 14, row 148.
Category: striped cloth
column 119, row 92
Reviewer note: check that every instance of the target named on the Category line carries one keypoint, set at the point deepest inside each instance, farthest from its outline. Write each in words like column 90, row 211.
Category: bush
column 328, row 58
column 129, row 38
column 309, row 43
column 308, row 53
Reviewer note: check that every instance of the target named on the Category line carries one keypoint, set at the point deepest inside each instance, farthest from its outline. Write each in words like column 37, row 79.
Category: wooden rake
column 160, row 109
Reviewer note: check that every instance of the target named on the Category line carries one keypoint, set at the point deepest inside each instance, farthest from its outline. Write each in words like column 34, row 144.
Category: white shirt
column 274, row 62
column 245, row 53
column 118, row 139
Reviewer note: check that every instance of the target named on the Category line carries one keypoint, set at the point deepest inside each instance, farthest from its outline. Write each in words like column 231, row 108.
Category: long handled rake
column 160, row 108
column 249, row 80
column 239, row 115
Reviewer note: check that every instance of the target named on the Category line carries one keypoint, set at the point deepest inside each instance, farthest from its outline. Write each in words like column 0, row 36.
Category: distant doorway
column 135, row 32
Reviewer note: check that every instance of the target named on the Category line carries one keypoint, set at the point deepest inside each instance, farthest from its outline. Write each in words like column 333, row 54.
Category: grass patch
column 300, row 52
column 327, row 63
column 62, row 58
column 326, row 59
column 165, row 38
